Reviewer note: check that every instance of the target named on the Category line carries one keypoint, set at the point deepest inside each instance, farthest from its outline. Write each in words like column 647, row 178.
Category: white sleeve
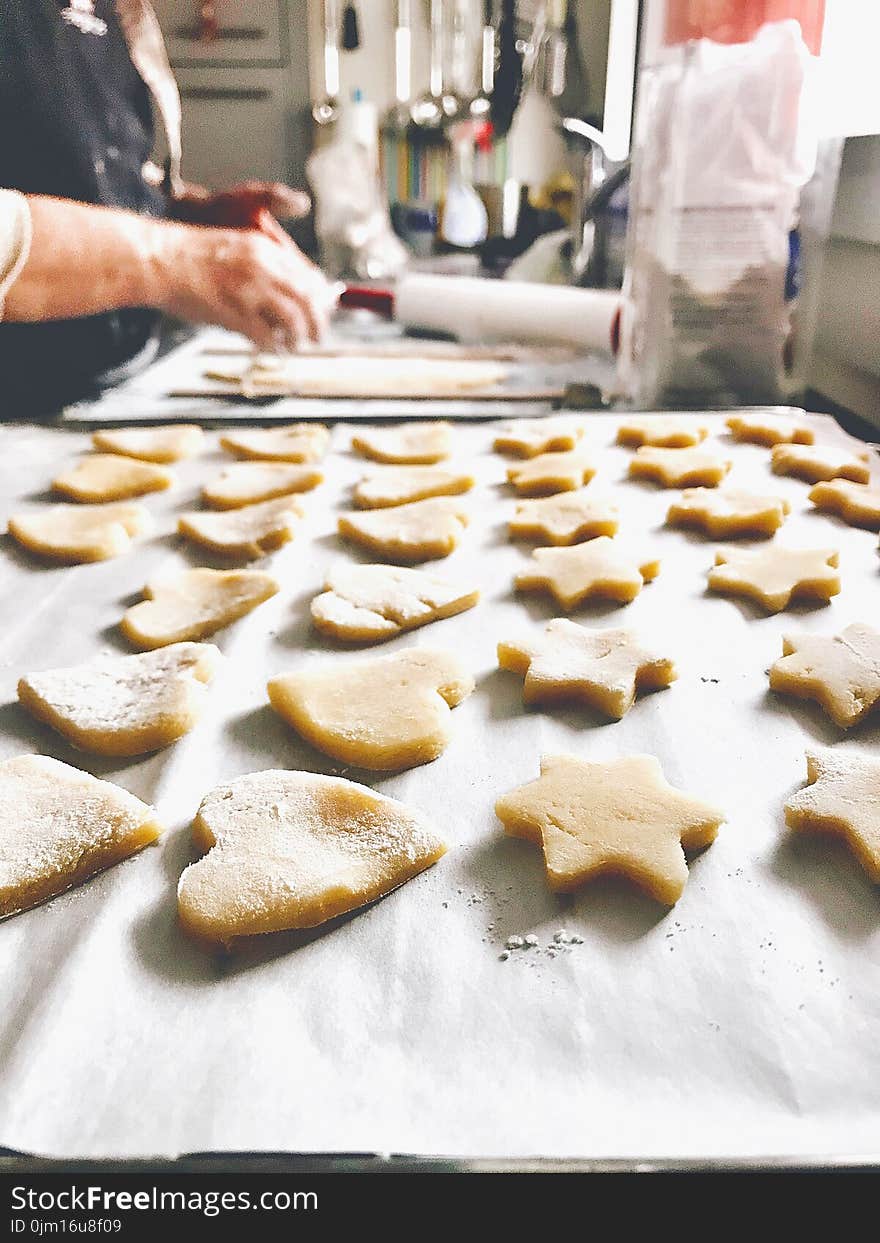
column 15, row 239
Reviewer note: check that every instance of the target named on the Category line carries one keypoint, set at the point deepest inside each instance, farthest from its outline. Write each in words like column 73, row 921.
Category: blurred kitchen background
column 498, row 134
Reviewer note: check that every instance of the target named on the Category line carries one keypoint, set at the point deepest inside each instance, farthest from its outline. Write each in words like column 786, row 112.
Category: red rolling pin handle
column 357, row 297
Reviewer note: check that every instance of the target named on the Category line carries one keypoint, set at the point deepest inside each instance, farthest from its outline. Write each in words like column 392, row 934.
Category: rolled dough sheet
column 307, row 375
column 743, row 1022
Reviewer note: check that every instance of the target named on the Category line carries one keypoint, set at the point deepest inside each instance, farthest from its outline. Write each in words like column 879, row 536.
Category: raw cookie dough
column 621, row 817
column 816, row 463
column 551, row 472
column 529, row 437
column 858, row 504
column 300, row 442
column 60, row 826
column 770, row 429
column 602, row 668
column 124, row 705
column 384, row 714
column 102, row 477
column 405, row 444
column 367, row 603
column 152, row 444
column 250, row 531
column 840, row 672
column 602, row 568
column 193, row 605
column 842, row 797
column 679, row 468
column 388, row 486
column 661, row 431
column 567, row 518
column 724, row 513
column 248, row 483
column 292, row 850
column 774, row 576
column 420, row 531
column 80, row 533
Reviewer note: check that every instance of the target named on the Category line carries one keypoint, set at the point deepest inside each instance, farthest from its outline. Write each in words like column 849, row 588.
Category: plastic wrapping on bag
column 726, row 142
column 351, row 219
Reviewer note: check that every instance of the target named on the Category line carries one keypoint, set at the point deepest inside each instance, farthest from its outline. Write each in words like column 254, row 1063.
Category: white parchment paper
column 742, row 1022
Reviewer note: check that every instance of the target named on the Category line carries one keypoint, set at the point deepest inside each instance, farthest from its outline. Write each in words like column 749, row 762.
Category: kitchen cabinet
column 245, row 93
column 249, row 32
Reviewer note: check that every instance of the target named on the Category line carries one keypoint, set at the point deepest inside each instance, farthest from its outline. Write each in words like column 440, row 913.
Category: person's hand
column 241, row 206
column 245, row 280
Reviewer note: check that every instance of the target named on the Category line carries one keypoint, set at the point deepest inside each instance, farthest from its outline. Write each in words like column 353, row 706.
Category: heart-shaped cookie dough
column 124, row 705
column 300, row 442
column 80, row 533
column 384, row 714
column 248, row 483
column 152, row 444
column 420, row 531
column 59, row 827
column 292, row 850
column 387, row 486
column 251, row 531
column 408, row 444
column 193, row 605
column 367, row 603
column 100, row 477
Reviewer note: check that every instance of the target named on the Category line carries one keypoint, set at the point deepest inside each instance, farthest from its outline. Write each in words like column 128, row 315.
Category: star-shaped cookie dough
column 816, row 463
column 774, row 576
column 567, row 518
column 602, row 567
column 856, row 503
column 663, row 431
column 551, row 472
column 770, row 429
column 842, row 797
column 620, row 817
column 602, row 668
column 727, row 512
column 679, row 468
column 841, row 672
column 529, row 437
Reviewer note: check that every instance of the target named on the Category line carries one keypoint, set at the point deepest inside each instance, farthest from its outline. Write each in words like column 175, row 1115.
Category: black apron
column 75, row 122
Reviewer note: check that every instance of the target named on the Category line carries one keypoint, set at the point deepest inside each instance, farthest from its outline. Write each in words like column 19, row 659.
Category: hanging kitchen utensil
column 399, row 114
column 427, row 111
column 351, row 39
column 507, row 86
column 326, row 110
column 482, row 101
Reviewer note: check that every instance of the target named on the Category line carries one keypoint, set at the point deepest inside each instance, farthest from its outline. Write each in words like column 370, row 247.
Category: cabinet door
column 235, row 126
column 250, row 32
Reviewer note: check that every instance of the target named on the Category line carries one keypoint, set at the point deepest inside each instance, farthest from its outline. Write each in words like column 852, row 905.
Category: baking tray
column 739, row 1026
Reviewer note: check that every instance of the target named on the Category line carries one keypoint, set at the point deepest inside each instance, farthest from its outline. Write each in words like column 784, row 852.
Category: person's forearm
column 119, row 260
column 84, row 260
